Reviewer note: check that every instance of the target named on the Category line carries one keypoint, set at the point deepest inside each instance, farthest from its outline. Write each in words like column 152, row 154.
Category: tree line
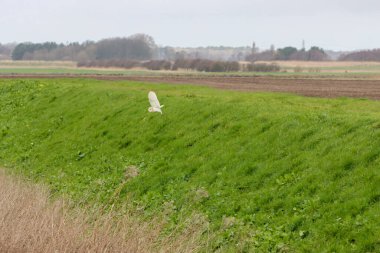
column 129, row 51
column 136, row 47
column 202, row 65
column 365, row 55
column 289, row 54
column 142, row 47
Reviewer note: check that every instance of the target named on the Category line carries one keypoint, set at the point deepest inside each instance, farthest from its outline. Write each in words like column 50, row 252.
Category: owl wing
column 153, row 100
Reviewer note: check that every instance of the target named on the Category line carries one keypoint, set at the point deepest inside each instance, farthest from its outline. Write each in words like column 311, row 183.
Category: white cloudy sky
column 331, row 24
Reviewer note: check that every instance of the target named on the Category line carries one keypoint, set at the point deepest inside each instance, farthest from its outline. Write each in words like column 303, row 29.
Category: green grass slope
column 271, row 172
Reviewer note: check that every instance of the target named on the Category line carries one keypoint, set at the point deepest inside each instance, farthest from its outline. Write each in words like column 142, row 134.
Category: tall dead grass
column 31, row 222
column 320, row 64
column 37, row 64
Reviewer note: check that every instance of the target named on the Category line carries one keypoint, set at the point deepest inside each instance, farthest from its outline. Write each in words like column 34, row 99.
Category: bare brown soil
column 31, row 222
column 320, row 86
column 301, row 86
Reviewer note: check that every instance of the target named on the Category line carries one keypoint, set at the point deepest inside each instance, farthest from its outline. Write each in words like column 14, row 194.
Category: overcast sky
column 331, row 24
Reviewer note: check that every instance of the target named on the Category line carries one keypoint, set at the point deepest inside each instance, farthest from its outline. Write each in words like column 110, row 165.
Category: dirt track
column 317, row 87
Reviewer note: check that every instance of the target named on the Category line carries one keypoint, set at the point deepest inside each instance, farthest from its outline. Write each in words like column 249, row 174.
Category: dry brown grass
column 37, row 64
column 31, row 222
column 322, row 64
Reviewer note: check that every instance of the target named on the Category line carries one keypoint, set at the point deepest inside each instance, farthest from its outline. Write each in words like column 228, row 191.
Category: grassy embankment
column 268, row 171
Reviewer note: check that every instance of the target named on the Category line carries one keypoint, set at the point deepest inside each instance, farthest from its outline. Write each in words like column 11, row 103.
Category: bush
column 232, row 66
column 263, row 67
column 181, row 64
column 206, row 65
column 195, row 64
column 127, row 64
column 157, row 65
column 218, row 67
column 203, row 65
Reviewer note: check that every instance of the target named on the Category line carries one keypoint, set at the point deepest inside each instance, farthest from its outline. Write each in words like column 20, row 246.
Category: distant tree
column 285, row 53
column 180, row 55
column 20, row 50
column 300, row 55
column 263, row 67
column 6, row 51
column 165, row 53
column 262, row 56
column 135, row 47
column 237, row 56
column 144, row 38
column 142, row 47
column 27, row 48
column 317, row 54
column 366, row 55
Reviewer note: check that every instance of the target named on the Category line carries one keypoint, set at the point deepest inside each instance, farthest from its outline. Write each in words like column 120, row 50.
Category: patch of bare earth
column 31, row 222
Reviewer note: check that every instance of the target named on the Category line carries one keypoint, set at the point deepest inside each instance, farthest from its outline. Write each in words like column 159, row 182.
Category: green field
column 270, row 172
column 367, row 70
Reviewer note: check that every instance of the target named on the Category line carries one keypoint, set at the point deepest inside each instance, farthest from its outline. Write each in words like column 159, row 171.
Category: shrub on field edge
column 263, row 67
